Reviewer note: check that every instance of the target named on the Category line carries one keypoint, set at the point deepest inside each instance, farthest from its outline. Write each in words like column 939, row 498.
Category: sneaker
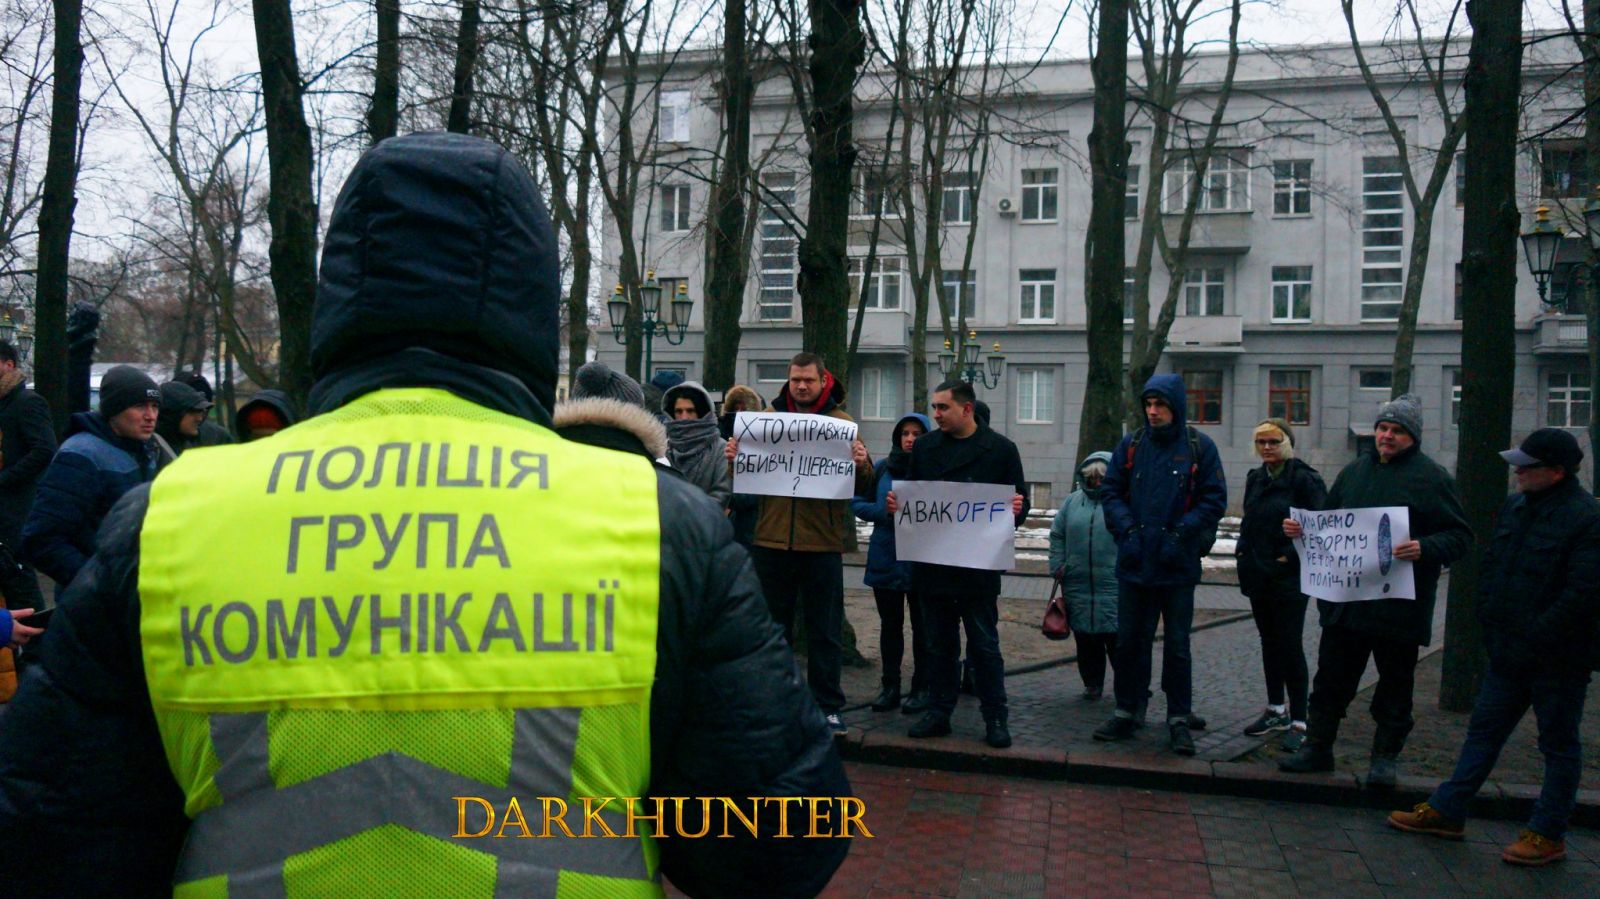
column 1268, row 722
column 1382, row 772
column 836, row 724
column 1534, row 849
column 1311, row 758
column 1180, row 740
column 917, row 704
column 996, row 734
column 1294, row 739
column 1118, row 728
column 888, row 698
column 1426, row 819
column 932, row 724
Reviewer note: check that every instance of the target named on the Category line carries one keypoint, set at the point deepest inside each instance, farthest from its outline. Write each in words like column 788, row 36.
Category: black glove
column 1130, row 554
column 1174, row 555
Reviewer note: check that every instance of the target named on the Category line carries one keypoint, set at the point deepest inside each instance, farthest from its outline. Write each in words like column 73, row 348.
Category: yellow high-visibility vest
column 408, row 600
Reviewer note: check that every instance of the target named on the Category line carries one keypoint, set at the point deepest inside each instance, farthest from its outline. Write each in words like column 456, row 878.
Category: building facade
column 1291, row 286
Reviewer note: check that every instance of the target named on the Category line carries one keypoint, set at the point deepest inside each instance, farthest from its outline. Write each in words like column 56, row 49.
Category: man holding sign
column 1388, row 630
column 966, row 589
column 799, row 542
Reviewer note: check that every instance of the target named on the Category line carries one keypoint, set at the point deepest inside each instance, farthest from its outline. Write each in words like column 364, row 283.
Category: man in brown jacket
column 799, row 543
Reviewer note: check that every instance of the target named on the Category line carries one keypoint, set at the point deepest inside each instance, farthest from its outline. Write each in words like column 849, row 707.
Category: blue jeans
column 1138, row 610
column 1557, row 700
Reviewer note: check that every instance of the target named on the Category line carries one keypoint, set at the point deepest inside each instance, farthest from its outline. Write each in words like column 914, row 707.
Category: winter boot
column 1313, row 756
column 995, row 732
column 888, row 698
column 1382, row 771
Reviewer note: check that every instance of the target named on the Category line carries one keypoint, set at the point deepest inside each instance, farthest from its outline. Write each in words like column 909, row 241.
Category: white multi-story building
column 1293, row 276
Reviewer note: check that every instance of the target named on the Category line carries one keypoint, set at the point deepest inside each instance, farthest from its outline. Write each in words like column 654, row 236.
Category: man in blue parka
column 1163, row 493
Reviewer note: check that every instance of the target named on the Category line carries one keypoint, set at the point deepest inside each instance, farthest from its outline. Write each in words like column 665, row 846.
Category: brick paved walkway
column 945, row 834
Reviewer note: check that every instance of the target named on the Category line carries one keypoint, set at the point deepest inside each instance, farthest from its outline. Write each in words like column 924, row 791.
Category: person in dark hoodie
column 438, row 303
column 267, row 413
column 183, row 409
column 1164, row 493
column 694, row 443
column 27, row 443
column 606, row 409
column 743, row 508
column 889, row 578
column 1269, row 574
column 1387, row 631
column 106, row 454
column 211, row 433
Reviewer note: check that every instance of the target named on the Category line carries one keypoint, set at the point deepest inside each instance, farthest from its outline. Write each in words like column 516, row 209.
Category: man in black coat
column 963, row 450
column 27, row 442
column 1388, row 631
column 1539, row 610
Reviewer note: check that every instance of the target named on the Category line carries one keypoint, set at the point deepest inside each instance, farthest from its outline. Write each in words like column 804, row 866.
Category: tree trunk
column 1104, row 248
column 1405, row 338
column 837, row 51
column 729, row 255
column 383, row 118
column 291, row 205
column 1488, row 351
column 1591, row 139
column 460, row 120
column 55, row 213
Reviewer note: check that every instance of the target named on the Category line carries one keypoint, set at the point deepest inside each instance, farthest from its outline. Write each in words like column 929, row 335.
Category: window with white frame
column 1566, row 399
column 778, row 249
column 1127, row 295
column 1455, row 397
column 1383, row 235
column 960, row 291
column 1038, row 295
column 956, row 204
column 673, row 123
column 881, row 390
column 1563, row 169
column 1130, row 197
column 1036, row 396
column 1291, row 293
column 883, row 290
column 876, row 193
column 1205, row 291
column 1224, row 188
column 770, row 376
column 1291, row 187
column 1039, row 194
column 675, row 207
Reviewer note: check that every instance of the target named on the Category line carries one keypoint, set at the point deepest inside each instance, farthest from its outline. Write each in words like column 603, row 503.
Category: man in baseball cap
column 1539, row 611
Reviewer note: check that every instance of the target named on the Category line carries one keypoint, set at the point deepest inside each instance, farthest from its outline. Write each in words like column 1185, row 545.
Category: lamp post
column 650, row 324
column 968, row 369
column 1539, row 246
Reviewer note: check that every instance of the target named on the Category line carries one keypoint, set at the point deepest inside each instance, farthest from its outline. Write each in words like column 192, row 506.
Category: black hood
column 440, row 242
column 275, row 399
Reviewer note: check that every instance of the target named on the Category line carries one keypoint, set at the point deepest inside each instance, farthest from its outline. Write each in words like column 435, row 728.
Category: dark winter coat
column 86, row 794
column 695, row 446
column 1537, row 596
column 1438, row 522
column 1164, row 510
column 1084, row 555
column 92, row 470
column 1267, row 562
column 810, row 525
column 884, row 569
column 986, row 457
column 27, row 443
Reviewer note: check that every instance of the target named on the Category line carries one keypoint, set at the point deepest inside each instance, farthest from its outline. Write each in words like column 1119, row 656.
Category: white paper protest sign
column 953, row 523
column 794, row 454
column 1347, row 555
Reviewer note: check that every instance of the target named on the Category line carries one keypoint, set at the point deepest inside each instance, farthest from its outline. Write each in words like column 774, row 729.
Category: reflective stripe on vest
column 411, row 599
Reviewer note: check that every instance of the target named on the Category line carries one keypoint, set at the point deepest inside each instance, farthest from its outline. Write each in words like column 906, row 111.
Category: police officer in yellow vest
column 314, row 664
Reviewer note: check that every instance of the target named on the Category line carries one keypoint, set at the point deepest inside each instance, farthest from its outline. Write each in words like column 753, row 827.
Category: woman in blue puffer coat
column 889, row 578
column 1084, row 555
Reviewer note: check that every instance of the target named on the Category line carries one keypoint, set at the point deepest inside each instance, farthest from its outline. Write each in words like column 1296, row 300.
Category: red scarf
column 827, row 391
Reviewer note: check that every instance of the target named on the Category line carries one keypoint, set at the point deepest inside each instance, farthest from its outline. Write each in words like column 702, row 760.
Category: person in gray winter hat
column 1404, row 410
column 597, row 380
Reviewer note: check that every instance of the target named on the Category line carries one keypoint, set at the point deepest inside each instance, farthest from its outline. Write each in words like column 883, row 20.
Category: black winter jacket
column 984, row 458
column 1267, row 561
column 1437, row 522
column 1537, row 597
column 27, row 443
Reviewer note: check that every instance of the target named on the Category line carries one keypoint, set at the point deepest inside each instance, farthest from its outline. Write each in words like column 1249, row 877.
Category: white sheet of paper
column 1347, row 555
column 953, row 523
column 794, row 454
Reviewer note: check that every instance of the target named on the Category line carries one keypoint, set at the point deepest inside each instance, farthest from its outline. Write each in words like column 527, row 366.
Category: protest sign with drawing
column 793, row 454
column 953, row 523
column 1347, row 555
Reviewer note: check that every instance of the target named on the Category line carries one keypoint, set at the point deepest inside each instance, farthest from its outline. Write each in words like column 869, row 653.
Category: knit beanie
column 124, row 387
column 1404, row 410
column 596, row 380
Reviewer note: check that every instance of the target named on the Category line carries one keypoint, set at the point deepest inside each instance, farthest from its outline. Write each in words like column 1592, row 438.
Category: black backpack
column 1208, row 538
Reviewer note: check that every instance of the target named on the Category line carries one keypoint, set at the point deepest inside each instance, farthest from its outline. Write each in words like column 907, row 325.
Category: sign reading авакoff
column 794, row 454
column 1347, row 555
column 954, row 523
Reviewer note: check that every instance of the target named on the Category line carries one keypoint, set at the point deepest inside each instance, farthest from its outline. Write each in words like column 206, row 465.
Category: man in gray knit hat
column 1389, row 631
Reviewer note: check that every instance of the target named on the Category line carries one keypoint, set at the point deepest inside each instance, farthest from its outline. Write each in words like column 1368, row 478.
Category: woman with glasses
column 1269, row 574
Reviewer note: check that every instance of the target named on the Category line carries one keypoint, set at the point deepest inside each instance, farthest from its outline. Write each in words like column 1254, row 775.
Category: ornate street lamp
column 970, row 370
column 650, row 324
column 1539, row 245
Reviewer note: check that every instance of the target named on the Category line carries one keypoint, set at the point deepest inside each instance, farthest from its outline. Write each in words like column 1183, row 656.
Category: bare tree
column 460, row 120
column 25, row 44
column 728, row 251
column 383, row 117
column 55, row 211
